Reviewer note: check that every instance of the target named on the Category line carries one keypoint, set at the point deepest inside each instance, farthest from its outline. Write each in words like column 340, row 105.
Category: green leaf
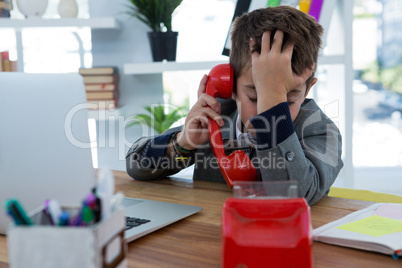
column 140, row 119
column 157, row 119
column 148, row 108
column 154, row 13
column 173, row 116
column 158, row 113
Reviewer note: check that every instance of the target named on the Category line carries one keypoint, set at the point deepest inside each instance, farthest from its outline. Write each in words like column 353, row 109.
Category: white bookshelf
column 160, row 67
column 94, row 23
column 101, row 23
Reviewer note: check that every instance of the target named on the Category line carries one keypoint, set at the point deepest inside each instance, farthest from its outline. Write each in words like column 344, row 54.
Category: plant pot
column 163, row 45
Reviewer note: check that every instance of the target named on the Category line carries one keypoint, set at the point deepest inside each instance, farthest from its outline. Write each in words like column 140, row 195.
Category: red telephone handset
column 237, row 166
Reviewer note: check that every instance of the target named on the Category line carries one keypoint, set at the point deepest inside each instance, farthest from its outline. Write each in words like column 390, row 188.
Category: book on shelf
column 376, row 228
column 5, row 55
column 7, row 5
column 13, row 66
column 100, row 79
column 5, row 61
column 101, row 95
column 100, row 87
column 98, row 70
column 4, row 13
column 6, row 65
column 100, row 75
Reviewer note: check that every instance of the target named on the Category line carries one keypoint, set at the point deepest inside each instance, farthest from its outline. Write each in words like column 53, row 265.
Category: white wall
column 129, row 45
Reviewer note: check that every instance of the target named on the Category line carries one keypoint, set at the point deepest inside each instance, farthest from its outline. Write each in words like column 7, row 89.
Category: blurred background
column 203, row 26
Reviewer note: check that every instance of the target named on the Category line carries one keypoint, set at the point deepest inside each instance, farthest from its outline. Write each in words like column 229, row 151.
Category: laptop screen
column 44, row 140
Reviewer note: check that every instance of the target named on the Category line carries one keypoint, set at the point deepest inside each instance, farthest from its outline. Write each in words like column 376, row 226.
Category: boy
column 274, row 56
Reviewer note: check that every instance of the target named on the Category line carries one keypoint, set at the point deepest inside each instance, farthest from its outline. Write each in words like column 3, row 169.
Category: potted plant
column 157, row 14
column 158, row 118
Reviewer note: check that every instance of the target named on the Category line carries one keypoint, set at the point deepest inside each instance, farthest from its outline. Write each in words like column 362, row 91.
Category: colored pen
column 90, row 200
column 98, row 207
column 87, row 215
column 64, row 219
column 17, row 212
column 104, row 190
column 77, row 220
column 52, row 210
column 97, row 210
column 47, row 212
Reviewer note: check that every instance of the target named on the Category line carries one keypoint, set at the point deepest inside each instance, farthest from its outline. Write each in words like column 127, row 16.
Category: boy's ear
column 234, row 96
column 311, row 85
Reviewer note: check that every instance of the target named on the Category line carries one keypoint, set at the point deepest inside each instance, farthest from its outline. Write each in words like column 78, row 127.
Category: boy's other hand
column 272, row 71
column 195, row 129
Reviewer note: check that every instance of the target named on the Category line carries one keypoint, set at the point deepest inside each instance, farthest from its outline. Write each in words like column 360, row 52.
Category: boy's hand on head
column 272, row 71
column 195, row 129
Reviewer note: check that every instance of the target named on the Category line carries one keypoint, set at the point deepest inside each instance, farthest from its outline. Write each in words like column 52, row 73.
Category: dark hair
column 299, row 28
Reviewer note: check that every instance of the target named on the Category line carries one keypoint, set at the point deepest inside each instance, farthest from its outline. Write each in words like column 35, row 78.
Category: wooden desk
column 195, row 241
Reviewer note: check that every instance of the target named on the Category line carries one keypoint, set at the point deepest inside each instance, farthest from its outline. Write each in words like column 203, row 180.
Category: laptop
column 45, row 151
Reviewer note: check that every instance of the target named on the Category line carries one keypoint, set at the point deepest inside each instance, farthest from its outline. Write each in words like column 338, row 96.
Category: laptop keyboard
column 134, row 222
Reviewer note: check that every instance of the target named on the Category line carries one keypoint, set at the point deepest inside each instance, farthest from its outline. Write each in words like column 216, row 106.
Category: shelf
column 94, row 23
column 160, row 67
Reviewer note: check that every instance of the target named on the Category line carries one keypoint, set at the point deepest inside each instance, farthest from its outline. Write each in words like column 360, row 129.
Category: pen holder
column 265, row 224
column 98, row 245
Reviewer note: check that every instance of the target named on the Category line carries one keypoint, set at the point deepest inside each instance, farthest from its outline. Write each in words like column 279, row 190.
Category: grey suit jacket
column 311, row 155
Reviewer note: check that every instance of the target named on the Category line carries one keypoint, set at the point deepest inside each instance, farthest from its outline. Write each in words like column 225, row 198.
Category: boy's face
column 246, row 98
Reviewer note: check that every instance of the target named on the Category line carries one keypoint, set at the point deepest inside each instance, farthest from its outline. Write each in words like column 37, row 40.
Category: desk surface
column 195, row 241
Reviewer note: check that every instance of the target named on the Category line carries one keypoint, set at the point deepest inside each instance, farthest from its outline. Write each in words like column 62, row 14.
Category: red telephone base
column 266, row 233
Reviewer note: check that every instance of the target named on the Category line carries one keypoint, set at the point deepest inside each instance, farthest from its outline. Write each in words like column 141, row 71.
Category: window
column 377, row 136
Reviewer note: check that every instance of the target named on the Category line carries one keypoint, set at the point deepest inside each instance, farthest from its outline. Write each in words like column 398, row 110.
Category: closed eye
column 252, row 100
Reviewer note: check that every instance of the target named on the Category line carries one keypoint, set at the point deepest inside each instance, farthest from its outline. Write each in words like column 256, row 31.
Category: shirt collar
column 243, row 138
column 238, row 127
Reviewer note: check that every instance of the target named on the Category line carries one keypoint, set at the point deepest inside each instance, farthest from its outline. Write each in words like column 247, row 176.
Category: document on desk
column 376, row 228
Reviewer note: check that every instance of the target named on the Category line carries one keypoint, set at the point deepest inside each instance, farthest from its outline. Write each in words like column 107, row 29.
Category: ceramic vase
column 32, row 8
column 68, row 8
